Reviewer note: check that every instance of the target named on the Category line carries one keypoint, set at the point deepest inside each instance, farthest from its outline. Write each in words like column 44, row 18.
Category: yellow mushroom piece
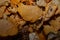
column 7, row 28
column 29, row 12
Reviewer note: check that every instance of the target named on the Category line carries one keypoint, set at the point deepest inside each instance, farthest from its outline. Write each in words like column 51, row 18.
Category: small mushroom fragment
column 55, row 24
column 48, row 29
column 13, row 20
column 29, row 12
column 41, row 36
column 41, row 3
column 57, row 2
column 50, row 11
column 2, row 9
column 19, row 21
column 33, row 36
column 6, row 25
column 16, row 20
column 12, row 9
